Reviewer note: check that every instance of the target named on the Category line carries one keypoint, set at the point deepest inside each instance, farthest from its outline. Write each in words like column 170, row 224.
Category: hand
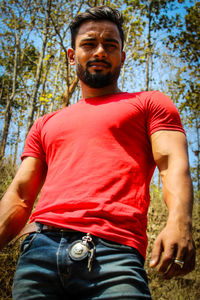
column 174, row 242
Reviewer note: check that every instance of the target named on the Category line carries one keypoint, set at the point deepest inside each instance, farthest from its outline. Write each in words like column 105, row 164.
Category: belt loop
column 39, row 227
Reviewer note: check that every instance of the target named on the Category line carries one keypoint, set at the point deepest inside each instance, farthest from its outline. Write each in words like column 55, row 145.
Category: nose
column 100, row 51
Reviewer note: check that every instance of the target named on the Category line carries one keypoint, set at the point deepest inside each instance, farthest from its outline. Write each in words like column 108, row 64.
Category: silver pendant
column 78, row 251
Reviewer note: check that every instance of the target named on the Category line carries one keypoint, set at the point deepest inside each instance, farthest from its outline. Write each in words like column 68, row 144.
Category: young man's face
column 98, row 55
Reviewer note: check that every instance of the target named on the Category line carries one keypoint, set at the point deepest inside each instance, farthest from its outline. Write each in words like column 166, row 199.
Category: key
column 91, row 258
column 88, row 242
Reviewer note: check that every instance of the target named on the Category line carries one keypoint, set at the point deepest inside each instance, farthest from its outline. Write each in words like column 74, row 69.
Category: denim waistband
column 96, row 239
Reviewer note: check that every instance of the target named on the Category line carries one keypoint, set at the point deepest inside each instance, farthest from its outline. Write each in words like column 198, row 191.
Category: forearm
column 178, row 193
column 17, row 203
column 175, row 240
column 14, row 214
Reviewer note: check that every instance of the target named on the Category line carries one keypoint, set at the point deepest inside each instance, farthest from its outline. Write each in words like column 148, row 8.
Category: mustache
column 90, row 62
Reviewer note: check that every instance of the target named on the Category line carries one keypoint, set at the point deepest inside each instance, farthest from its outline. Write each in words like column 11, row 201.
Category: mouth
column 98, row 65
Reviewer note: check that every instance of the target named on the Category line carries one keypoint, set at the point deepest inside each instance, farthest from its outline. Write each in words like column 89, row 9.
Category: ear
column 123, row 58
column 71, row 56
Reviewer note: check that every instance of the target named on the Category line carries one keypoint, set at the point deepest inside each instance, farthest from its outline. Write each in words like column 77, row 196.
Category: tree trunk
column 198, row 154
column 43, row 111
column 147, row 72
column 2, row 90
column 69, row 91
column 55, row 85
column 125, row 46
column 7, row 119
column 8, row 110
column 148, row 54
column 33, row 99
column 158, row 182
column 16, row 144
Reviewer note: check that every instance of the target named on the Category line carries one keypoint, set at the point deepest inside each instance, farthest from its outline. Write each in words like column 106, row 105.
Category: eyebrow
column 111, row 40
column 105, row 39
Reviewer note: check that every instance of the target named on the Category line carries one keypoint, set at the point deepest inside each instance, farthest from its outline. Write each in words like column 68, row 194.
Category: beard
column 97, row 80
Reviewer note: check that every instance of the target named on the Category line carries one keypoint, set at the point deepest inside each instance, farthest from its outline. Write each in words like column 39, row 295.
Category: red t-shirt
column 100, row 164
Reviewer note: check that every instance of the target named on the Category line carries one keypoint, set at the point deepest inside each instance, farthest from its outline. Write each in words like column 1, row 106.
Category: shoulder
column 149, row 101
column 43, row 120
column 154, row 101
column 144, row 97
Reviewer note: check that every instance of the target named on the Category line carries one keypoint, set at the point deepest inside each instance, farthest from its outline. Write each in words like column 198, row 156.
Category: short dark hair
column 97, row 13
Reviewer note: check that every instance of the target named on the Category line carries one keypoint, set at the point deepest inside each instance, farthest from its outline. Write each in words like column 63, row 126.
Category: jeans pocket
column 115, row 245
column 27, row 242
column 122, row 248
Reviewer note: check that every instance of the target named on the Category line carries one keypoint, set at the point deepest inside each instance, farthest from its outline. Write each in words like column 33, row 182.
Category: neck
column 88, row 92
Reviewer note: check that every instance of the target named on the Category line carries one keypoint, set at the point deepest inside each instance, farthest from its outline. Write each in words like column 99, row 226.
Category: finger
column 178, row 264
column 156, row 253
column 189, row 261
column 190, row 258
column 175, row 270
column 182, row 264
column 187, row 256
column 167, row 259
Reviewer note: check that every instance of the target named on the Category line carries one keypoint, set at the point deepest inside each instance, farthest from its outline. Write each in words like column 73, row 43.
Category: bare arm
column 17, row 203
column 175, row 240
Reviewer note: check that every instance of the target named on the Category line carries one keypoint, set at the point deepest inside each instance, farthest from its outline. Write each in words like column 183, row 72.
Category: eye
column 110, row 46
column 88, row 44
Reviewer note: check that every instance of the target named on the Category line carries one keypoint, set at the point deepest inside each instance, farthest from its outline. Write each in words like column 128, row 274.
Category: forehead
column 98, row 29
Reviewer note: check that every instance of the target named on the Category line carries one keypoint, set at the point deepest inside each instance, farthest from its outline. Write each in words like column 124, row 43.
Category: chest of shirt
column 85, row 121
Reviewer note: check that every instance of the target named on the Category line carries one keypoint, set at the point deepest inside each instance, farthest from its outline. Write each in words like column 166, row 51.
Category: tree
column 186, row 45
column 46, row 33
column 46, row 82
column 14, row 24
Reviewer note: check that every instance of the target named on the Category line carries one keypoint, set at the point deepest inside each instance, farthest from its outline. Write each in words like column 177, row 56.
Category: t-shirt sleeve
column 33, row 145
column 162, row 114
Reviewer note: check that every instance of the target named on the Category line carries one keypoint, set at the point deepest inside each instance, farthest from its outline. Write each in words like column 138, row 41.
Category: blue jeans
column 45, row 270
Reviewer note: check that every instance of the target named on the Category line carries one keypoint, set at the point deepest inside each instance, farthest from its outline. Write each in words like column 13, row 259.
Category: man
column 95, row 160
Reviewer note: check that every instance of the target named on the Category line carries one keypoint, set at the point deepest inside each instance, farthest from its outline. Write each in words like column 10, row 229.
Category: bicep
column 170, row 150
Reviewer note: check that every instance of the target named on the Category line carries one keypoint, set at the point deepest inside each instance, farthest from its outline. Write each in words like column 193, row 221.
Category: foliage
column 179, row 288
column 186, row 45
column 36, row 77
column 7, row 171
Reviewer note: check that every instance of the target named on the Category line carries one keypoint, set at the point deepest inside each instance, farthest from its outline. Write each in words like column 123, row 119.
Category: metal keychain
column 86, row 241
column 81, row 249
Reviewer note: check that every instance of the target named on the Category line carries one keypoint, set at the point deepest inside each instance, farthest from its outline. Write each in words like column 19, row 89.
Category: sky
column 136, row 79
